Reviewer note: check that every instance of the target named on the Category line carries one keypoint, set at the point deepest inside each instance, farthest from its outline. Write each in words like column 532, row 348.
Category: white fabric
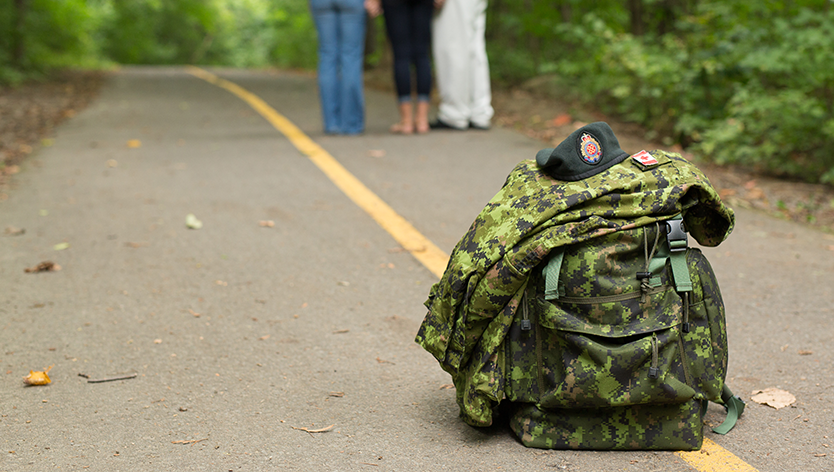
column 461, row 66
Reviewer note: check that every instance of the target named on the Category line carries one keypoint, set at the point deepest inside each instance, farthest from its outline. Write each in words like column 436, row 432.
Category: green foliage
column 742, row 82
column 47, row 34
column 156, row 31
column 782, row 117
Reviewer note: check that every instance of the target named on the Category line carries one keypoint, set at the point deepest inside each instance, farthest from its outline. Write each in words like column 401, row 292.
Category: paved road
column 240, row 333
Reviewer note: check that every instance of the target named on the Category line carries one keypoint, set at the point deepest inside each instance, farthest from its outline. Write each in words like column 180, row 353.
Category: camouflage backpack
column 575, row 300
column 619, row 343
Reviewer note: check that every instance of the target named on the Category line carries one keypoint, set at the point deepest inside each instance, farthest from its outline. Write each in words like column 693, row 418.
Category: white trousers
column 461, row 66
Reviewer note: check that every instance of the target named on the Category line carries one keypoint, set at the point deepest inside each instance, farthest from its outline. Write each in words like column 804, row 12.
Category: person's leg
column 481, row 105
column 328, row 64
column 397, row 27
column 352, row 47
column 450, row 46
column 420, row 29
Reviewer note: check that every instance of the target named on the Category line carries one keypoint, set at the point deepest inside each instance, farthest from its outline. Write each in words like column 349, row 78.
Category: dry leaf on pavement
column 45, row 266
column 773, row 397
column 37, row 377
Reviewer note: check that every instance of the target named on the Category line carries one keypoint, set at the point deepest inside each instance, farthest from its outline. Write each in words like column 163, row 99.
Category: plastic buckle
column 676, row 235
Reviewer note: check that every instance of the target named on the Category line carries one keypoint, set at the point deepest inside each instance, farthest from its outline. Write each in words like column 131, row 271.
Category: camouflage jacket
column 472, row 306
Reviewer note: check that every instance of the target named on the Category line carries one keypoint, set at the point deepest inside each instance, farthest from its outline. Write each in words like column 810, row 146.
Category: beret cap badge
column 589, row 148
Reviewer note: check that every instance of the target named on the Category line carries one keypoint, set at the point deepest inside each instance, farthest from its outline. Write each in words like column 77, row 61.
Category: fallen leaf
column 341, row 331
column 194, row 313
column 157, row 341
column 14, row 231
column 322, row 430
column 376, row 153
column 383, row 361
column 135, row 245
column 192, row 222
column 221, row 283
column 446, row 386
column 773, row 397
column 112, row 163
column 803, row 352
column 265, row 337
column 820, row 455
column 266, row 223
column 45, row 266
column 726, row 192
column 37, row 377
column 134, row 143
column 337, row 394
column 61, row 246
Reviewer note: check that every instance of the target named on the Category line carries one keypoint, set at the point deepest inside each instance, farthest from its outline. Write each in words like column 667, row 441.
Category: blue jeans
column 341, row 30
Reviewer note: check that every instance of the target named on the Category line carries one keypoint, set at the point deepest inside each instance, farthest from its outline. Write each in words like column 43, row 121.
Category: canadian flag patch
column 644, row 158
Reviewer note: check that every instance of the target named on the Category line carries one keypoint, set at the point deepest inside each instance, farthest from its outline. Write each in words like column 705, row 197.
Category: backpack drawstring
column 646, row 275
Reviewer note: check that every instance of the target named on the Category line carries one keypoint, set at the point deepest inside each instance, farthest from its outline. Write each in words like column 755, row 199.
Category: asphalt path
column 247, row 339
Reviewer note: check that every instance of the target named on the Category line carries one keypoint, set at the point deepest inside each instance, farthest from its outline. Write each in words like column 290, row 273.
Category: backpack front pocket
column 611, row 353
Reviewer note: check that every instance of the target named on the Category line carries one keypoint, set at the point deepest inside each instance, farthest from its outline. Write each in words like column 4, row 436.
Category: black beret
column 587, row 151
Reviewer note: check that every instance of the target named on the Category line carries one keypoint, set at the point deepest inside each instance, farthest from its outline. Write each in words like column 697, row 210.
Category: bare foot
column 402, row 128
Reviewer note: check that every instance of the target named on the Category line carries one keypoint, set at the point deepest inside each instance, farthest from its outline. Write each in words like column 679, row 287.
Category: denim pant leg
column 351, row 52
column 327, row 25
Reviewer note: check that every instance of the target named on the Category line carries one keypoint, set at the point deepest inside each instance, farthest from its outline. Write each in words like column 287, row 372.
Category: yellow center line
column 714, row 458
column 711, row 457
column 432, row 257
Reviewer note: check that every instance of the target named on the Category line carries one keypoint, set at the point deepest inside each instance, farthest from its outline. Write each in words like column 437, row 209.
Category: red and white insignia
column 590, row 149
column 644, row 158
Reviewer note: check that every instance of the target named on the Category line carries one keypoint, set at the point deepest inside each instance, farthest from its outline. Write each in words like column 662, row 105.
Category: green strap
column 680, row 272
column 551, row 274
column 677, row 254
column 734, row 406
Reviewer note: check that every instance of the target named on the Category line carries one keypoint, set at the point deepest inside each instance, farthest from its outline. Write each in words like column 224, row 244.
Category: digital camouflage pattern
column 676, row 427
column 472, row 307
column 585, row 367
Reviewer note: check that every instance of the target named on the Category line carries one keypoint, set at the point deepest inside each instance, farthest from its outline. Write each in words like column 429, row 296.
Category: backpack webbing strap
column 734, row 406
column 551, row 274
column 676, row 236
